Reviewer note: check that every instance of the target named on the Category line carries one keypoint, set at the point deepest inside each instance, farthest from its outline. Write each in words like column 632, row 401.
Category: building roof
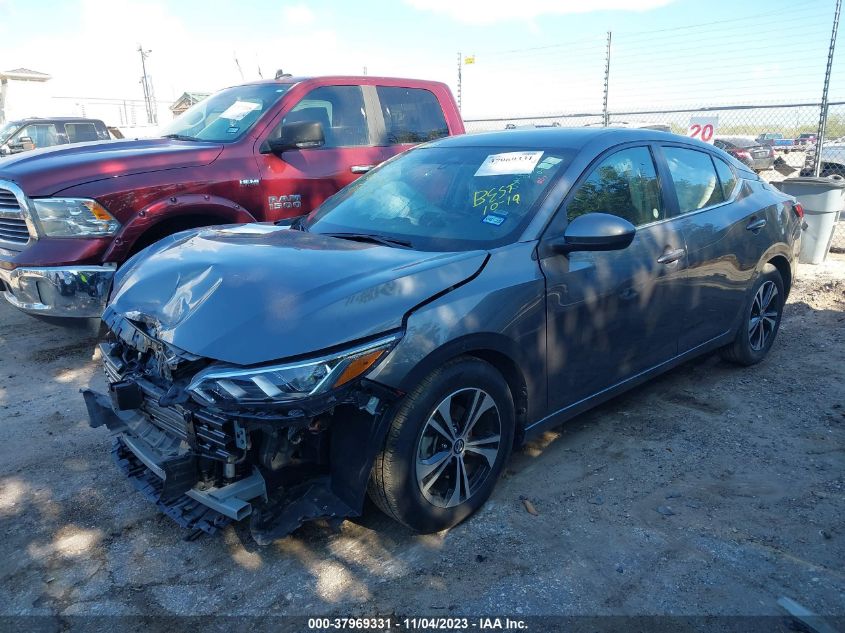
column 189, row 99
column 25, row 74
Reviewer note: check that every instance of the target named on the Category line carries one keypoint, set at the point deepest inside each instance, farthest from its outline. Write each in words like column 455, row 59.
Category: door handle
column 361, row 169
column 756, row 225
column 671, row 256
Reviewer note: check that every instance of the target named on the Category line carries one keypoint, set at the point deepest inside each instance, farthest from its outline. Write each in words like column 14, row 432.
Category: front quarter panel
column 500, row 311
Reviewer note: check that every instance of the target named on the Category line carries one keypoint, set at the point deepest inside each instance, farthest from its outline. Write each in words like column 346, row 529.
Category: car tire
column 431, row 474
column 760, row 320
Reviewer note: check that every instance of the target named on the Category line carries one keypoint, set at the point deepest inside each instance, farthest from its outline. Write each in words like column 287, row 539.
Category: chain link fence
column 778, row 141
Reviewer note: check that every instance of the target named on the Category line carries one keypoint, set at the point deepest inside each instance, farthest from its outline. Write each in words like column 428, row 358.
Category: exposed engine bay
column 205, row 465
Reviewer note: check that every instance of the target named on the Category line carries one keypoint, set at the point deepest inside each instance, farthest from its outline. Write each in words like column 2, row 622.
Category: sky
column 531, row 56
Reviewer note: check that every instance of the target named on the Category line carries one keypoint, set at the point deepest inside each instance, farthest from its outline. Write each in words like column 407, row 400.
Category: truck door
column 298, row 181
column 411, row 116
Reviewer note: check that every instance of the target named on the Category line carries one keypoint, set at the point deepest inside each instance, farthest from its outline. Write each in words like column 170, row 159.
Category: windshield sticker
column 233, row 130
column 239, row 109
column 494, row 218
column 548, row 162
column 509, row 163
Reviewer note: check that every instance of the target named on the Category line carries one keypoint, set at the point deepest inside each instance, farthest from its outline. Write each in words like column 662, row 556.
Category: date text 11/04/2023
column 417, row 624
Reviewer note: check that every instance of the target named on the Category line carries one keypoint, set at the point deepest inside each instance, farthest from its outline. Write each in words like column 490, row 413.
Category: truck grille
column 13, row 228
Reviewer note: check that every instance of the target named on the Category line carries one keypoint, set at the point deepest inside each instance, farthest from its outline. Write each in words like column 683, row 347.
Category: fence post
column 817, row 159
column 605, row 115
column 460, row 64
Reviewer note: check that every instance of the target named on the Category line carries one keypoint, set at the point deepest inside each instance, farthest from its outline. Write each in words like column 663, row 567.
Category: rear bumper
column 71, row 291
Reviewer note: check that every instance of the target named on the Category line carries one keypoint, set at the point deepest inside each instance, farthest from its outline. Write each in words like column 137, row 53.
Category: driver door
column 612, row 315
column 298, row 181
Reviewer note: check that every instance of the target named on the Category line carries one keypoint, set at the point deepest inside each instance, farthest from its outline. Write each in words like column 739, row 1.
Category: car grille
column 13, row 228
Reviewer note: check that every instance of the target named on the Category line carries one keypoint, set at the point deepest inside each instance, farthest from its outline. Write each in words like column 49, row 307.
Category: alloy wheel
column 458, row 447
column 764, row 315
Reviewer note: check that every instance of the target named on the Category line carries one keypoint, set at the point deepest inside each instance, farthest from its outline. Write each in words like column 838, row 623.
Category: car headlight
column 290, row 381
column 73, row 217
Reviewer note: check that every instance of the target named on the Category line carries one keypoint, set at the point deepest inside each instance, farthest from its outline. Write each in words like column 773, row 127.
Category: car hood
column 256, row 293
column 45, row 172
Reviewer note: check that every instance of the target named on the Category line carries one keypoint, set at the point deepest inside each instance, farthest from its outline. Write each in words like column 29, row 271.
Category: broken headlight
column 288, row 381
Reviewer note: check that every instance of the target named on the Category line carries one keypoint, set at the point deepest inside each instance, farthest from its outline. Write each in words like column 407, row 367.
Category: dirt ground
column 712, row 490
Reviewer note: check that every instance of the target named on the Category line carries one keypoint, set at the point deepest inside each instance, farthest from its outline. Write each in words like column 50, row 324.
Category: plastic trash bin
column 822, row 199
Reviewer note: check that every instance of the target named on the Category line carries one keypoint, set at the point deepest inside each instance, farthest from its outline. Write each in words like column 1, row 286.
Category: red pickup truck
column 264, row 151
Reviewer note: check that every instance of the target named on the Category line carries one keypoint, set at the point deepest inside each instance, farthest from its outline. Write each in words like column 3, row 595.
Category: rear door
column 300, row 180
column 612, row 315
column 725, row 234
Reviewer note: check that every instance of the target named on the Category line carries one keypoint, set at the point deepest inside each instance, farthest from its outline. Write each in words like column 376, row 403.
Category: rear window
column 81, row 132
column 411, row 115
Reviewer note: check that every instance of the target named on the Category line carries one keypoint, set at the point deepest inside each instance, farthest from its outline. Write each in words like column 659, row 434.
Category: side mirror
column 299, row 135
column 595, row 232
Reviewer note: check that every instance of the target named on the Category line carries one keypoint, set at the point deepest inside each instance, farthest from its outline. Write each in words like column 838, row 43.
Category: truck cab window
column 411, row 115
column 339, row 109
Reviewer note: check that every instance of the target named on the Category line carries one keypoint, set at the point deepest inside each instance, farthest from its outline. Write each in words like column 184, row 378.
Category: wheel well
column 516, row 383
column 782, row 265
column 170, row 226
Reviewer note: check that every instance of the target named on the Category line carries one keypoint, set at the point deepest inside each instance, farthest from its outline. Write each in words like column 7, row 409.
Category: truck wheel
column 761, row 320
column 446, row 447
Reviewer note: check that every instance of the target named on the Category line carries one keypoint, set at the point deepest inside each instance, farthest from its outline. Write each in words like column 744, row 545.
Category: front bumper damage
column 203, row 467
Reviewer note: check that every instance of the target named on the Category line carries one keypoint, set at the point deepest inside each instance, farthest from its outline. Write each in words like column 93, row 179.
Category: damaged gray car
column 401, row 339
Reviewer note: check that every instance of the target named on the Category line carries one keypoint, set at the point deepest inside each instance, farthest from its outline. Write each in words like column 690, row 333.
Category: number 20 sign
column 703, row 128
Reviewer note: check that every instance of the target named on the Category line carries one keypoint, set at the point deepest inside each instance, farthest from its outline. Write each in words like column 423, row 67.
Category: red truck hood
column 45, row 172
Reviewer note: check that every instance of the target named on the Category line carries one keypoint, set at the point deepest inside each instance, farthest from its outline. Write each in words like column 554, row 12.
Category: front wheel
column 761, row 320
column 446, row 447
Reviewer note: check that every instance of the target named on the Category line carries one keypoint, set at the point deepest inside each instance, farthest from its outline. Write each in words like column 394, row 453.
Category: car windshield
column 444, row 198
column 227, row 115
column 7, row 129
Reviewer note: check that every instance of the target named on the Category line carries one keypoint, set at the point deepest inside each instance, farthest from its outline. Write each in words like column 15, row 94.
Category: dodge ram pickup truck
column 264, row 151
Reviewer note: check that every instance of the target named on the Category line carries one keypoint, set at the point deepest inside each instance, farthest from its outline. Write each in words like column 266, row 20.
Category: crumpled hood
column 45, row 172
column 255, row 293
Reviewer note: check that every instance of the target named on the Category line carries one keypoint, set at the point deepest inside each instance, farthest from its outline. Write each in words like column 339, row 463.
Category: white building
column 23, row 93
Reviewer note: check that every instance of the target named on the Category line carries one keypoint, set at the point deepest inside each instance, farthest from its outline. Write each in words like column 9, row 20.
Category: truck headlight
column 73, row 217
column 289, row 381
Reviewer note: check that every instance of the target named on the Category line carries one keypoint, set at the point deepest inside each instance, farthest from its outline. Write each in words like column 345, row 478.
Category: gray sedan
column 402, row 338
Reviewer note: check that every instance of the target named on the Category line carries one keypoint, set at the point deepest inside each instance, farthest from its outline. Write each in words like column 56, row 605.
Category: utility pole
column 460, row 63
column 817, row 159
column 152, row 115
column 606, row 116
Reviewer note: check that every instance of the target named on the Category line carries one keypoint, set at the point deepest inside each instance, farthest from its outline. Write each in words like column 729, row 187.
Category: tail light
column 741, row 153
column 799, row 210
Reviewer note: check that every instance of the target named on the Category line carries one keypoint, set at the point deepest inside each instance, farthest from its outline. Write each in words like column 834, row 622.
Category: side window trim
column 375, row 118
column 674, row 195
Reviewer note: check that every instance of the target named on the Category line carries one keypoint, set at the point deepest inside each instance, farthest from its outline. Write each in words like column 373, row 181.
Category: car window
column 694, row 178
column 80, row 132
column 727, row 177
column 42, row 135
column 411, row 115
column 624, row 184
column 339, row 109
column 445, row 198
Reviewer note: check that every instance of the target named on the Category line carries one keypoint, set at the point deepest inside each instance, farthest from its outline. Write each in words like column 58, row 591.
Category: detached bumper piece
column 187, row 512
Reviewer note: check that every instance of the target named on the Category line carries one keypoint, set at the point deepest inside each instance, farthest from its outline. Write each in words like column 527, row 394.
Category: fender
column 221, row 210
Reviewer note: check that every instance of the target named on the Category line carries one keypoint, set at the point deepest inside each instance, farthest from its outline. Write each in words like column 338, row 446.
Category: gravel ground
column 711, row 490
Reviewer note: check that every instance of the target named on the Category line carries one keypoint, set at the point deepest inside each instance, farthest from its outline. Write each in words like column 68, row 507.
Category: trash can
column 822, row 199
